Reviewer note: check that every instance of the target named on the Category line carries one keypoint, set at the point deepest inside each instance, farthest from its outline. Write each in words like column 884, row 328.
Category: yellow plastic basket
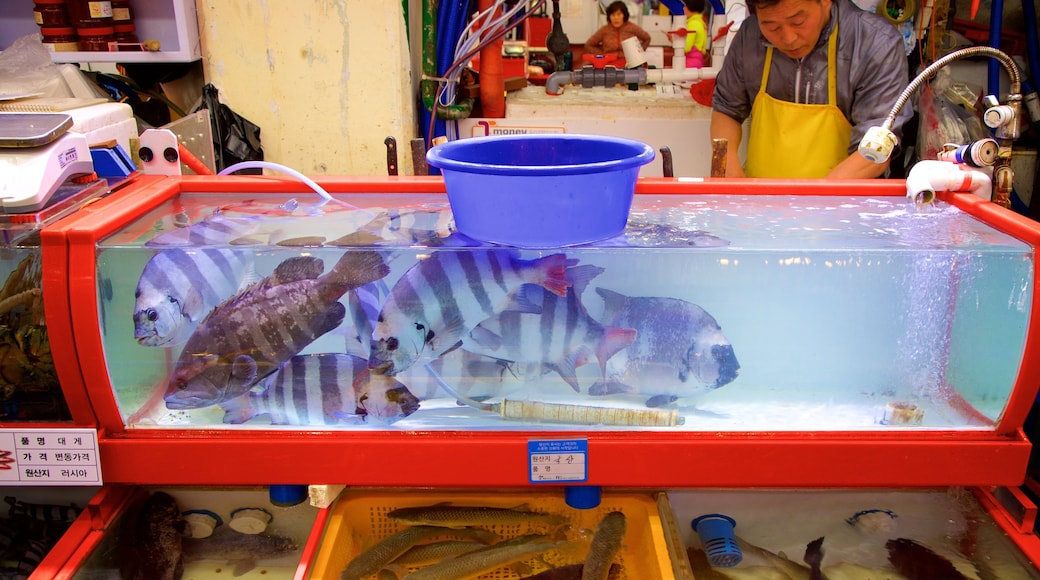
column 359, row 520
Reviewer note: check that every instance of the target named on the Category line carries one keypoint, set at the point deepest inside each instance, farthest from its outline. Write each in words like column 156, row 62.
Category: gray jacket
column 872, row 71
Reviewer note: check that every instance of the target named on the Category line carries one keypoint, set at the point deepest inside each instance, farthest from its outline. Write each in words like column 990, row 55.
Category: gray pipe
column 590, row 76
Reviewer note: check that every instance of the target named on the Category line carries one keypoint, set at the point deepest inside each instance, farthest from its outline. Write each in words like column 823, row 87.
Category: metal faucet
column 878, row 143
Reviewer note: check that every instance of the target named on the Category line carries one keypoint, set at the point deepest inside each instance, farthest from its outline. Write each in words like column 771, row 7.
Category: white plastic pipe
column 929, row 176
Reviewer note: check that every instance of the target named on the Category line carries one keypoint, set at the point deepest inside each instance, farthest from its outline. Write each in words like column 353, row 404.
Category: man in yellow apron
column 813, row 75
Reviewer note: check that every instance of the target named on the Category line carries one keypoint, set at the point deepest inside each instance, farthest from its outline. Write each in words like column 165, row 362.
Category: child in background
column 696, row 33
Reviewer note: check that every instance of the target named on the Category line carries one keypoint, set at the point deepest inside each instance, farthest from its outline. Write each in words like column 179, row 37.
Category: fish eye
column 182, row 385
column 391, row 343
column 152, row 315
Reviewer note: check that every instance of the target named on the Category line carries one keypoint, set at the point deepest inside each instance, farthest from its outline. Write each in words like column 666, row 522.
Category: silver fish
column 679, row 351
column 179, row 287
column 449, row 516
column 241, row 551
column 606, row 543
column 254, row 332
column 473, row 564
column 559, row 338
column 446, row 294
column 386, row 550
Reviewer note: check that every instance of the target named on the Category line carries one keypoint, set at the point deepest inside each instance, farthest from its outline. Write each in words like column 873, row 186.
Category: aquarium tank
column 710, row 313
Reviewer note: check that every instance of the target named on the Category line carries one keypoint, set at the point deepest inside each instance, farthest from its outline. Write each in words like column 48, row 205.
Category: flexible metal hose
column 1009, row 64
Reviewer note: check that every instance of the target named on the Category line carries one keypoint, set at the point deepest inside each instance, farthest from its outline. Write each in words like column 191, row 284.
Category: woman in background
column 608, row 39
column 696, row 33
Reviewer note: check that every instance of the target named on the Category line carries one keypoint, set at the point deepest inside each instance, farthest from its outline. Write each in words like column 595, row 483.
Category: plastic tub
column 540, row 191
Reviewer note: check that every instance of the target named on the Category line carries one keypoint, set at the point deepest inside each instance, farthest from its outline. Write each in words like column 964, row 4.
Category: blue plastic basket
column 543, row 190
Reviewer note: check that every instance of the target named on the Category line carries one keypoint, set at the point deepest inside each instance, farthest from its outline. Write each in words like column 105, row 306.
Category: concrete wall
column 326, row 80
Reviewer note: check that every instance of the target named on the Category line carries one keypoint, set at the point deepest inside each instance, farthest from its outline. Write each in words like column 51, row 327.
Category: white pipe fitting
column 929, row 176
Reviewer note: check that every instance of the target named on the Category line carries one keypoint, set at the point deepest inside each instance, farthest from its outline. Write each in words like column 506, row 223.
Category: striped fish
column 179, row 287
column 320, row 389
column 363, row 305
column 42, row 511
column 446, row 294
column 189, row 276
column 254, row 332
column 560, row 338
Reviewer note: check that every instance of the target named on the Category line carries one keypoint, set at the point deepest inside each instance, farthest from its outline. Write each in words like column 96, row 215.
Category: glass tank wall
column 710, row 313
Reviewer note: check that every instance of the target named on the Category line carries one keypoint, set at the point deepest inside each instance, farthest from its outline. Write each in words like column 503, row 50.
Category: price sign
column 558, row 460
column 49, row 457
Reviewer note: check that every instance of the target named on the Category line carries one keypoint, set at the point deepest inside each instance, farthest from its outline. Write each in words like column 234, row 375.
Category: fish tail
column 614, row 340
column 553, row 273
column 356, row 269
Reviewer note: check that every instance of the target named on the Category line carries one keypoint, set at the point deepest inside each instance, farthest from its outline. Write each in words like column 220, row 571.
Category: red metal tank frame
column 500, row 458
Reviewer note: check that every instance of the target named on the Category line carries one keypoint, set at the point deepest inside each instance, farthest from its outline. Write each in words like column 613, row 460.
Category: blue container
column 540, row 191
column 717, row 538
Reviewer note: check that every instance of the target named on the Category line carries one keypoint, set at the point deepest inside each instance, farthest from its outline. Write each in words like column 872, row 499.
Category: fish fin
column 243, row 369
column 334, row 317
column 297, row 268
column 610, row 388
column 249, row 277
column 452, row 334
column 240, row 409
column 613, row 302
column 487, row 369
column 486, row 338
column 660, row 400
column 614, row 340
column 358, row 238
column 346, row 418
column 527, row 299
column 553, row 274
column 302, row 242
column 359, row 268
column 580, row 276
column 567, row 367
column 242, row 567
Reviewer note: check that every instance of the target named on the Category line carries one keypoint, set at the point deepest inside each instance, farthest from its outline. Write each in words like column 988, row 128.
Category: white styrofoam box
column 105, row 122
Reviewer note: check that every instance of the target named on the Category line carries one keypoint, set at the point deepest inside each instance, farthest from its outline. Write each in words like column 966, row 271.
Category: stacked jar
column 123, row 22
column 56, row 31
column 93, row 22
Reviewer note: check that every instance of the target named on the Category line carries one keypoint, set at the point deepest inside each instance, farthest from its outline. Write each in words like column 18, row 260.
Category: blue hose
column 996, row 26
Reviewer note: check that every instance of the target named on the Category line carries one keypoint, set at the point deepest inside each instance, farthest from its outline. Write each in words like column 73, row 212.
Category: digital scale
column 38, row 154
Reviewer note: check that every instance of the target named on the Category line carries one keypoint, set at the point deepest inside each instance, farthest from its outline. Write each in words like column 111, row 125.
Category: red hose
column 492, row 82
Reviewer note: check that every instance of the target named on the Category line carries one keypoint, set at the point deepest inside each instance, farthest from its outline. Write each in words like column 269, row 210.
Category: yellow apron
column 794, row 139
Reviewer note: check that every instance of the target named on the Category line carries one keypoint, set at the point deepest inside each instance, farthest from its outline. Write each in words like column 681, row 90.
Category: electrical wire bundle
column 486, row 27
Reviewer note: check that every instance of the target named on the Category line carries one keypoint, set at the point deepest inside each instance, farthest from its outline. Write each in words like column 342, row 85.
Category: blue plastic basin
column 540, row 191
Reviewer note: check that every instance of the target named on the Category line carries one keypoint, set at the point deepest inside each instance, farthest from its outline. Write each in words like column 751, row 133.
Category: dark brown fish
column 254, row 332
column 157, row 551
column 918, row 562
column 606, row 543
column 814, row 558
